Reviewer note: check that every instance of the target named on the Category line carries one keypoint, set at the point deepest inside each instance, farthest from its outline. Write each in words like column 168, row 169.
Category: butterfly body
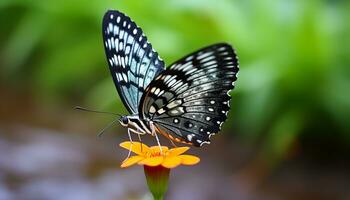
column 187, row 102
column 139, row 126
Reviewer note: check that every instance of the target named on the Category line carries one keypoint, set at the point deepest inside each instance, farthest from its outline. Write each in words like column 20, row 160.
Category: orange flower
column 152, row 156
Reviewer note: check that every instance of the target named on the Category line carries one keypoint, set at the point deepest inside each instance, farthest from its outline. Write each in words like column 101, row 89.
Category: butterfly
column 187, row 102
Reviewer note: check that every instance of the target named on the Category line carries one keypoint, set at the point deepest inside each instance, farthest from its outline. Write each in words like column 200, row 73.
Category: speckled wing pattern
column 189, row 101
column 132, row 61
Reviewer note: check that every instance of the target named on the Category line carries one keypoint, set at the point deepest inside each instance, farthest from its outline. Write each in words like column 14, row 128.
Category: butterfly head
column 124, row 121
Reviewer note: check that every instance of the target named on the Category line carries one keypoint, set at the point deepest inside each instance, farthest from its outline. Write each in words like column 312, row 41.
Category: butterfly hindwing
column 132, row 61
column 189, row 101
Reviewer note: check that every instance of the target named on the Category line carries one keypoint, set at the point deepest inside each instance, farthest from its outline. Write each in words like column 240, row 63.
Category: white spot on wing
column 222, row 48
column 207, row 59
column 110, row 27
column 123, row 62
column 171, row 82
column 209, row 63
column 205, row 142
column 161, row 111
column 109, row 43
column 174, row 104
column 160, row 93
column 116, row 42
column 166, row 78
column 121, row 34
column 115, row 60
column 120, row 46
column 152, row 109
column 119, row 60
column 127, row 49
column 189, row 58
column 115, row 30
column 112, row 42
column 189, row 137
column 205, row 55
column 187, row 68
column 125, row 77
column 157, row 91
column 130, row 40
column 191, row 71
column 174, row 111
column 120, row 77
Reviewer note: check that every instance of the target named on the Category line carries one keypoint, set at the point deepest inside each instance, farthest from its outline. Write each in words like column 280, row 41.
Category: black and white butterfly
column 187, row 102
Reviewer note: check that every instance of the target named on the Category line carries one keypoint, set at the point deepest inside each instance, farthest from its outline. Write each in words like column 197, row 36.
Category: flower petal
column 135, row 147
column 189, row 160
column 177, row 151
column 157, row 149
column 171, row 162
column 130, row 161
column 153, row 161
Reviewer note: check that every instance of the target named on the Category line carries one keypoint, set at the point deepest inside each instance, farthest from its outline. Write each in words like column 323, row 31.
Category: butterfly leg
column 155, row 134
column 139, row 135
column 129, row 133
column 129, row 129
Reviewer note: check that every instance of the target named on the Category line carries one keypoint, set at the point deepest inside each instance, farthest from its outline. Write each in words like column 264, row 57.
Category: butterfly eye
column 124, row 121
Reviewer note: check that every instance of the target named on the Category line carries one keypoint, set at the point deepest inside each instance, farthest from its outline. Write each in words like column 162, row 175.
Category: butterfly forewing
column 189, row 101
column 132, row 61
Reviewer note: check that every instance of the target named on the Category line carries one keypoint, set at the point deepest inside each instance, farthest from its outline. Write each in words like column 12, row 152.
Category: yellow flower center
column 153, row 153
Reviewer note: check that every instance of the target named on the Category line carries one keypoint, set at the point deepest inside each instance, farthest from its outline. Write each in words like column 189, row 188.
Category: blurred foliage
column 294, row 57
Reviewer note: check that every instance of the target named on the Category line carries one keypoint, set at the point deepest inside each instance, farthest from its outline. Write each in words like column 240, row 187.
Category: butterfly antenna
column 95, row 111
column 106, row 128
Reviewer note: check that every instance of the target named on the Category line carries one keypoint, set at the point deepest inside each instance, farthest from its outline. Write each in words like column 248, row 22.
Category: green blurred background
column 288, row 133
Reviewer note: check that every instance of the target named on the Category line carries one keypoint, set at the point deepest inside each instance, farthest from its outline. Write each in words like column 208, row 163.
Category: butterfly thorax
column 134, row 122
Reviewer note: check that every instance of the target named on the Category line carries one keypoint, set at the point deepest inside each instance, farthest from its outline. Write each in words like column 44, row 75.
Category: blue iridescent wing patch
column 189, row 101
column 132, row 61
